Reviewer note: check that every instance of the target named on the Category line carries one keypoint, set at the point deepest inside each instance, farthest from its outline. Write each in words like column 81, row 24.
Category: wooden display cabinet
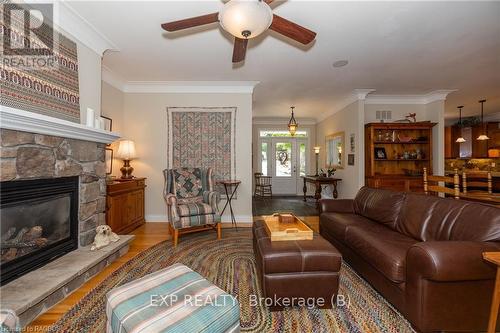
column 402, row 167
column 125, row 205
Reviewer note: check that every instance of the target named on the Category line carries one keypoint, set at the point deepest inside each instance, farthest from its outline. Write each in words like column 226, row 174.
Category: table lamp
column 126, row 152
column 316, row 151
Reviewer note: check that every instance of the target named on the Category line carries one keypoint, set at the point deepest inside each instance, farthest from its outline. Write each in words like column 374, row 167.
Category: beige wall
column 112, row 106
column 399, row 111
column 350, row 121
column 145, row 122
column 89, row 80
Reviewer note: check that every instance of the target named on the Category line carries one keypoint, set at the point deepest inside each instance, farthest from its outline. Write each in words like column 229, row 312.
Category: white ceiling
column 393, row 47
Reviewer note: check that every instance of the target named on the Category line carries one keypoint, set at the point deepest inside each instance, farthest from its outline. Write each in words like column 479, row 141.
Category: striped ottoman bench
column 174, row 299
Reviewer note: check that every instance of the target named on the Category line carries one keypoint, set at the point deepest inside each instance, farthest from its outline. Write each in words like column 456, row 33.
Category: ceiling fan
column 245, row 19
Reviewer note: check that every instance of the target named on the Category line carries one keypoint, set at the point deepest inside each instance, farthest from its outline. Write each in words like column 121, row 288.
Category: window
column 283, row 159
column 302, row 159
column 277, row 134
column 263, row 158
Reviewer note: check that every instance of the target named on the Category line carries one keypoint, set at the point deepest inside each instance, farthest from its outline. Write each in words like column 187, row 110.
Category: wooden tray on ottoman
column 280, row 231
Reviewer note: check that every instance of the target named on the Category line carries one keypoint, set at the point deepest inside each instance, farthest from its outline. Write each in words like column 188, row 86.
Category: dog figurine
column 103, row 237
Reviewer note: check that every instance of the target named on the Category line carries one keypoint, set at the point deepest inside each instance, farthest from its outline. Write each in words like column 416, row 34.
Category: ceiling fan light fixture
column 245, row 19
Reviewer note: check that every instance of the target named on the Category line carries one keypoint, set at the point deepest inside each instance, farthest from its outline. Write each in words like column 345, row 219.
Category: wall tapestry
column 203, row 137
column 45, row 83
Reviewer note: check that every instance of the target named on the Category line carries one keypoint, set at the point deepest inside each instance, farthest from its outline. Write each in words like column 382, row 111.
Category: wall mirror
column 335, row 150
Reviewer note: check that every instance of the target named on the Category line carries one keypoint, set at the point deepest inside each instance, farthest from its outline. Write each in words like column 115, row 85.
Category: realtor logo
column 28, row 36
column 28, row 30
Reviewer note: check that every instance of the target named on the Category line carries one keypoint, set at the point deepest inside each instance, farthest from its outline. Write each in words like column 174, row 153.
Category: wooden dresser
column 125, row 205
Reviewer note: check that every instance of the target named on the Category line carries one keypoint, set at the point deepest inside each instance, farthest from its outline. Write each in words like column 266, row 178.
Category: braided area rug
column 230, row 264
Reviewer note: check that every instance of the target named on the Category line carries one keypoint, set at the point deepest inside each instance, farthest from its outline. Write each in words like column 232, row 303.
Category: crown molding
column 281, row 121
column 112, row 79
column 433, row 96
column 179, row 87
column 356, row 95
column 25, row 121
column 362, row 93
column 73, row 23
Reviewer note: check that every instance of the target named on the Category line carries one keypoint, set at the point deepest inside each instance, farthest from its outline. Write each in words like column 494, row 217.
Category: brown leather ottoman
column 296, row 273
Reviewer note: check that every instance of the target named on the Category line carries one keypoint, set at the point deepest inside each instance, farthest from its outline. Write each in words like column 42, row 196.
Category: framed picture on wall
column 350, row 159
column 108, row 123
column 352, row 143
column 109, row 160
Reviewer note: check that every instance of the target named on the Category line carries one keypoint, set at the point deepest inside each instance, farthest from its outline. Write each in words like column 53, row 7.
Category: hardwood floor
column 145, row 236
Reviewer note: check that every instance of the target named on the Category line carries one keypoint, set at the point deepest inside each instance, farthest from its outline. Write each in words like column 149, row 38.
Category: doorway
column 284, row 158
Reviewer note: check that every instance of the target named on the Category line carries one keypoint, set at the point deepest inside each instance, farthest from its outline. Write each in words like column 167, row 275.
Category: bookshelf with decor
column 396, row 154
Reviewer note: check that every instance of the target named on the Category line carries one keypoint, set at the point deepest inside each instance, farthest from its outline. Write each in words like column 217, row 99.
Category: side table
column 230, row 184
column 494, row 257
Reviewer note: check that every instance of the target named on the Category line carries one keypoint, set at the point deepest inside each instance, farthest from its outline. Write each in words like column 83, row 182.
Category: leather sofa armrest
column 451, row 260
column 337, row 205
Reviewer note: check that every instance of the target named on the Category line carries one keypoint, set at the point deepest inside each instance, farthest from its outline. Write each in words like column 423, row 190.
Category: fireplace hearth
column 39, row 223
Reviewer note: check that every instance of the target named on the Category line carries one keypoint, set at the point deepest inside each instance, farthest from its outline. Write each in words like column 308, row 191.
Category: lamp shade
column 245, row 18
column 126, row 150
column 316, row 149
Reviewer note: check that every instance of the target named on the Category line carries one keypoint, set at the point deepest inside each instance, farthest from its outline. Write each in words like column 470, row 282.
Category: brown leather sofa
column 422, row 253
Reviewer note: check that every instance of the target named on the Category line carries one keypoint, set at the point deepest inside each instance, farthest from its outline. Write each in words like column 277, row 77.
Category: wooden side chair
column 263, row 185
column 480, row 181
column 437, row 184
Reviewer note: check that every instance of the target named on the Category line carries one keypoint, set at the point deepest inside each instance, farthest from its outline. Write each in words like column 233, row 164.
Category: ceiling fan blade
column 240, row 49
column 292, row 30
column 191, row 22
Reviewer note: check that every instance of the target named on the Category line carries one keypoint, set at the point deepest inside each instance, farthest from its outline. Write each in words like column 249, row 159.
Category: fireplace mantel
column 20, row 120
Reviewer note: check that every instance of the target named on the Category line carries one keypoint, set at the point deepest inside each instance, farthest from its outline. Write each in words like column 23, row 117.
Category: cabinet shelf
column 402, row 160
column 401, row 143
column 394, row 173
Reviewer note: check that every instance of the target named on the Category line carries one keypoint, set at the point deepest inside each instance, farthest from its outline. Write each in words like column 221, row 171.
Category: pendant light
column 292, row 124
column 460, row 138
column 483, row 135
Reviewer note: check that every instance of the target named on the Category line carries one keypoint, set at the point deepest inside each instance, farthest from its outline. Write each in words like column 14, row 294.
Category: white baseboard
column 225, row 219
column 156, row 218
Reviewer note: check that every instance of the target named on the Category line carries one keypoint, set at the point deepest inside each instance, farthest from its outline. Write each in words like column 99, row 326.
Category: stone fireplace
column 62, row 164
column 27, row 156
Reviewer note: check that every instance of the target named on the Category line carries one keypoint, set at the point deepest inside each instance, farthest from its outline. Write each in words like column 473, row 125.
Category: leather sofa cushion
column 316, row 255
column 381, row 206
column 335, row 224
column 430, row 218
column 381, row 247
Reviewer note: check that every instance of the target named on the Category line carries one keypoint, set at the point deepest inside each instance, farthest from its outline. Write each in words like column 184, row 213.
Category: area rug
column 230, row 264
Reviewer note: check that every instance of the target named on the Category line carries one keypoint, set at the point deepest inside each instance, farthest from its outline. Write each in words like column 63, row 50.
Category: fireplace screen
column 38, row 223
column 33, row 225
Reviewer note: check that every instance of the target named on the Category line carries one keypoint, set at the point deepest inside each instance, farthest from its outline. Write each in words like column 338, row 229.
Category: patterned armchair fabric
column 190, row 197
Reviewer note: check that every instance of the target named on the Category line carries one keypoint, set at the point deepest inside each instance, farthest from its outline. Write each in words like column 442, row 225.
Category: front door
column 284, row 165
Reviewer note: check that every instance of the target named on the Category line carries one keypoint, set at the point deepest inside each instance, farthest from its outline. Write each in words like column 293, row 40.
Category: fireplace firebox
column 38, row 223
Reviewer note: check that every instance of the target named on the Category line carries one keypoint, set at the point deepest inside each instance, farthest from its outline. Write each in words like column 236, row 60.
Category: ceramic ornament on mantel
column 90, row 118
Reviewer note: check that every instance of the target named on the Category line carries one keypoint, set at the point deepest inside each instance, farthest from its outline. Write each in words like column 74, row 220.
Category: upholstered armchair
column 192, row 203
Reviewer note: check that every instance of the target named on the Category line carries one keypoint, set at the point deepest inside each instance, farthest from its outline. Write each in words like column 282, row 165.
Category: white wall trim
column 73, row 23
column 433, row 96
column 281, row 121
column 362, row 93
column 112, row 79
column 225, row 219
column 356, row 95
column 188, row 87
column 20, row 120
